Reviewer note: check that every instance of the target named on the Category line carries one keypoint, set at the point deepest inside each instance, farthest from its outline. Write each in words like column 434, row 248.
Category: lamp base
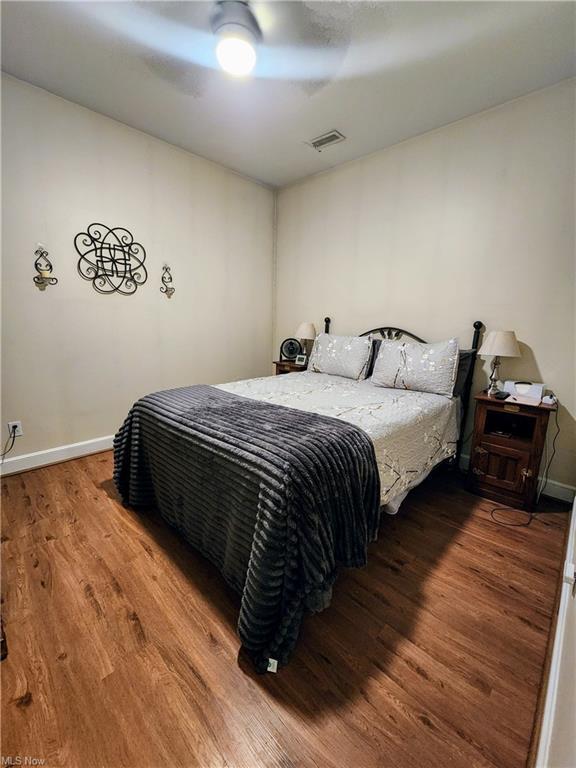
column 493, row 388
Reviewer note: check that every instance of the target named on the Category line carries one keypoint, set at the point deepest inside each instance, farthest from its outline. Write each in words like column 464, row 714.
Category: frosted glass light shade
column 235, row 52
column 306, row 331
column 501, row 344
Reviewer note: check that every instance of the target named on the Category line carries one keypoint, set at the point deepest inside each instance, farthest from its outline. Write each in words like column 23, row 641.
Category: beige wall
column 73, row 360
column 473, row 221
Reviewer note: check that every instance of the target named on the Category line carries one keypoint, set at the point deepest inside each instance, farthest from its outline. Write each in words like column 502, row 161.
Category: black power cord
column 522, row 524
column 11, row 440
column 549, row 462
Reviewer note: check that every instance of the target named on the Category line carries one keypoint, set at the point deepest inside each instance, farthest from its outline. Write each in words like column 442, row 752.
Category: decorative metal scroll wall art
column 166, row 282
column 111, row 259
column 43, row 267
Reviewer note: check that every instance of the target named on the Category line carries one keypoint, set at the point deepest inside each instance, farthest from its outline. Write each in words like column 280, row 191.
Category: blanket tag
column 272, row 665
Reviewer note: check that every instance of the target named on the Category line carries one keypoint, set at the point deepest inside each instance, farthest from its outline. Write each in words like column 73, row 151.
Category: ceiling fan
column 304, row 42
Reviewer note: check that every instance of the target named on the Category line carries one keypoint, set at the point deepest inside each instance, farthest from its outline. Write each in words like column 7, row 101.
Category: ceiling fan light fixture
column 235, row 51
column 238, row 32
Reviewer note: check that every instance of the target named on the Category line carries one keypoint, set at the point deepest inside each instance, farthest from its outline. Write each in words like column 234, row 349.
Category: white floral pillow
column 420, row 367
column 346, row 356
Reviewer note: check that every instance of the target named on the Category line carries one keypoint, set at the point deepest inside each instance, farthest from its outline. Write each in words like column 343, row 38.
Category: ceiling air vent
column 320, row 143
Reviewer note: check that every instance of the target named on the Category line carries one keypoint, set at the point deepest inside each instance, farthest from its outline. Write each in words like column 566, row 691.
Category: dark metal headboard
column 393, row 334
column 389, row 332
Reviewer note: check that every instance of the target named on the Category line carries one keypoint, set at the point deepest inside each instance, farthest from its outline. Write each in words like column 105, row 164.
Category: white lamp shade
column 306, row 331
column 501, row 344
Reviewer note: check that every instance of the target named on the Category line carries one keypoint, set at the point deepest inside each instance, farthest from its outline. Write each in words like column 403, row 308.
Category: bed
column 279, row 481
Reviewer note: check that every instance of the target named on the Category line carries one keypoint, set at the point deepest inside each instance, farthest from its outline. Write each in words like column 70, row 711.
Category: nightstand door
column 501, row 467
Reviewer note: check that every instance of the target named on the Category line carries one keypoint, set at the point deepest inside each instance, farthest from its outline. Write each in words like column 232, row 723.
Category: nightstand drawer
column 288, row 366
column 501, row 467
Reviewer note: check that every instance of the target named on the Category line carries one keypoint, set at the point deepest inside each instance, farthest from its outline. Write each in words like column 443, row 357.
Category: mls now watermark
column 8, row 760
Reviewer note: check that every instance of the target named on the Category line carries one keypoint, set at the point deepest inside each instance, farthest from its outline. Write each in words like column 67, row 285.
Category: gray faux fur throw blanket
column 276, row 498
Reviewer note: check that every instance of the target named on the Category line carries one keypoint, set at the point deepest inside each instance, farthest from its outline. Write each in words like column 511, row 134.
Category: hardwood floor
column 122, row 648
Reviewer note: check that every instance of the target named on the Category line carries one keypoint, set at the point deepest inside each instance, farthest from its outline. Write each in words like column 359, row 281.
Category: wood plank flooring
column 123, row 651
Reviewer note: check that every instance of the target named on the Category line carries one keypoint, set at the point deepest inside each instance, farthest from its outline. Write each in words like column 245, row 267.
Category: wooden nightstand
column 507, row 450
column 288, row 366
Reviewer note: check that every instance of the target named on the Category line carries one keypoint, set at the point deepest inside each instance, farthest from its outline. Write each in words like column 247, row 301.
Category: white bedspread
column 411, row 431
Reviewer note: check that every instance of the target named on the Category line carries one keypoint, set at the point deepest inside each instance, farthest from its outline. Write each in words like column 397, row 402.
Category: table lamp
column 498, row 344
column 306, row 333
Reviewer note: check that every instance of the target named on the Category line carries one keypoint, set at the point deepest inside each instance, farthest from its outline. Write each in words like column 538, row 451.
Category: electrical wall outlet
column 19, row 431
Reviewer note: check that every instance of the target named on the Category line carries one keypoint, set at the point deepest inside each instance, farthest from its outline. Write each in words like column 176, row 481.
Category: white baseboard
column 11, row 466
column 548, row 715
column 556, row 490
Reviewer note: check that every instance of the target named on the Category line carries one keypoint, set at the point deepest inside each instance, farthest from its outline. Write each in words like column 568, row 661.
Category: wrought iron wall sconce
column 166, row 282
column 43, row 267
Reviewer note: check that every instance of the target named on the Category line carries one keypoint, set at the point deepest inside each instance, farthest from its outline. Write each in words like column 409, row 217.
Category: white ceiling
column 379, row 72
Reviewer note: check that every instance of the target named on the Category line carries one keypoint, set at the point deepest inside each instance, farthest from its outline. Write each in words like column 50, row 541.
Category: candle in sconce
column 43, row 267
